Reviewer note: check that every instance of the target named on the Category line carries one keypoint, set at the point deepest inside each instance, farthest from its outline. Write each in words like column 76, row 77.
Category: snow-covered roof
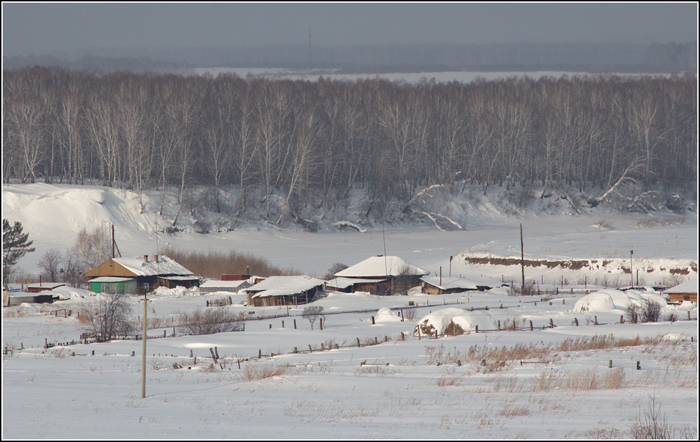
column 46, row 285
column 690, row 286
column 111, row 279
column 461, row 283
column 219, row 283
column 164, row 266
column 284, row 285
column 343, row 283
column 381, row 267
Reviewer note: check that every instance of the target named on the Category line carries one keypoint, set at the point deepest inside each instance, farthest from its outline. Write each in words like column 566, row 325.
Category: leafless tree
column 50, row 262
column 312, row 313
column 109, row 317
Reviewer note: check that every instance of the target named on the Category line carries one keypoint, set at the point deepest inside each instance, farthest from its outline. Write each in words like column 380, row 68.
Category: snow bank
column 449, row 319
column 66, row 293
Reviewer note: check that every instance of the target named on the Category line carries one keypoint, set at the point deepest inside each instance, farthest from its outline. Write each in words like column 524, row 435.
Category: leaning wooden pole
column 143, row 354
column 522, row 259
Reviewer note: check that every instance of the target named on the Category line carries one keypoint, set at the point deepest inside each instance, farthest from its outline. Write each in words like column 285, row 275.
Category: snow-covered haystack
column 386, row 315
column 609, row 300
column 454, row 321
column 596, row 302
column 468, row 321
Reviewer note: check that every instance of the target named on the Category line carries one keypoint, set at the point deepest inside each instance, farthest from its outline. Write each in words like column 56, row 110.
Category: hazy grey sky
column 55, row 28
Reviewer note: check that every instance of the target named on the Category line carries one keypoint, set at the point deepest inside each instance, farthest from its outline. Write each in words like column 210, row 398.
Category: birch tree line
column 147, row 131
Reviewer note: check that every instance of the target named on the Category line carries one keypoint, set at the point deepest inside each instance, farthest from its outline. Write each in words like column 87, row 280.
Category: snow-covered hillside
column 554, row 228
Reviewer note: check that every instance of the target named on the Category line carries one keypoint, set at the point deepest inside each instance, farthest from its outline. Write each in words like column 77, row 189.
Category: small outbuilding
column 285, row 290
column 687, row 291
column 434, row 285
column 44, row 286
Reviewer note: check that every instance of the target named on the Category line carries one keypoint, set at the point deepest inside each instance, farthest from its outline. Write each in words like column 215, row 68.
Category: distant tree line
column 146, row 131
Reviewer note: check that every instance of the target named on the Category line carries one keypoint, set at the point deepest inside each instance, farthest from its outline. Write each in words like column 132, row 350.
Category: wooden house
column 383, row 275
column 284, row 290
column 114, row 284
column 687, row 291
column 148, row 274
column 435, row 285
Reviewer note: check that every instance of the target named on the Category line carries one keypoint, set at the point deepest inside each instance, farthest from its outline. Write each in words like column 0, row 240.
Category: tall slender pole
column 113, row 243
column 143, row 354
column 631, row 273
column 522, row 259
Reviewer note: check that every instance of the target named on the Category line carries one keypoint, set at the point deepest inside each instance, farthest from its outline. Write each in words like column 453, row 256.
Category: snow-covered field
column 548, row 382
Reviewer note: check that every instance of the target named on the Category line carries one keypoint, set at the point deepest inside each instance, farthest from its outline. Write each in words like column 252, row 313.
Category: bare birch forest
column 149, row 131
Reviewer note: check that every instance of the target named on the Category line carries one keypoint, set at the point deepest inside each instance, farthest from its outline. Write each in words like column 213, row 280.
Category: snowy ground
column 351, row 392
column 396, row 389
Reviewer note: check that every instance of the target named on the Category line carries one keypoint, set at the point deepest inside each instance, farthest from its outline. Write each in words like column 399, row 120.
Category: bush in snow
column 109, row 318
column 212, row 320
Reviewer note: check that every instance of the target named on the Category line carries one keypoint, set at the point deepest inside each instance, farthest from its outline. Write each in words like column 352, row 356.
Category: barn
column 149, row 274
column 285, row 290
column 387, row 275
column 687, row 291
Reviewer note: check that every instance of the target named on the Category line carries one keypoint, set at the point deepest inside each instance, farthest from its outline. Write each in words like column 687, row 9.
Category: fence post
column 133, row 353
column 622, row 319
column 596, row 320
column 191, row 355
column 639, row 365
column 531, row 326
column 282, row 324
column 164, row 333
column 551, row 323
column 358, row 342
column 610, row 364
column 320, row 322
column 295, row 350
column 499, row 324
column 259, row 354
column 310, row 349
column 295, row 324
column 270, row 326
column 216, row 350
column 576, row 321
column 688, row 315
column 402, row 315
column 322, row 346
column 476, row 327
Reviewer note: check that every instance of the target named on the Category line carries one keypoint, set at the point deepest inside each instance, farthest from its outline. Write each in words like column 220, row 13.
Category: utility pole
column 631, row 273
column 143, row 354
column 450, row 266
column 522, row 258
column 113, row 243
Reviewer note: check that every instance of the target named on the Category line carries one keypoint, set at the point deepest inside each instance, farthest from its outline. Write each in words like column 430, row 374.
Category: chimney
column 145, row 258
column 155, row 258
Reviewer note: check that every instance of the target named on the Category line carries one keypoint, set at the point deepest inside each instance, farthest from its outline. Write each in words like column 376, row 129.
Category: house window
column 114, row 288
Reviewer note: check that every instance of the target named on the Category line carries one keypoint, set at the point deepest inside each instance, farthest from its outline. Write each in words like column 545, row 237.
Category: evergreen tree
column 15, row 245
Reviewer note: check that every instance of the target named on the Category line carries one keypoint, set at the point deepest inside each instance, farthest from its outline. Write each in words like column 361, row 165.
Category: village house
column 687, row 291
column 379, row 275
column 143, row 274
column 435, row 285
column 284, row 290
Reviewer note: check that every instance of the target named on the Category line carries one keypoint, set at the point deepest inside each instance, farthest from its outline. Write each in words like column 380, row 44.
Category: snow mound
column 609, row 300
column 176, row 292
column 66, row 293
column 468, row 321
column 595, row 302
column 454, row 321
column 386, row 315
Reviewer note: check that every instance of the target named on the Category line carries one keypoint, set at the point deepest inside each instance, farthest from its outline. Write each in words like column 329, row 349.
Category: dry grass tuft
column 512, row 411
column 252, row 372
